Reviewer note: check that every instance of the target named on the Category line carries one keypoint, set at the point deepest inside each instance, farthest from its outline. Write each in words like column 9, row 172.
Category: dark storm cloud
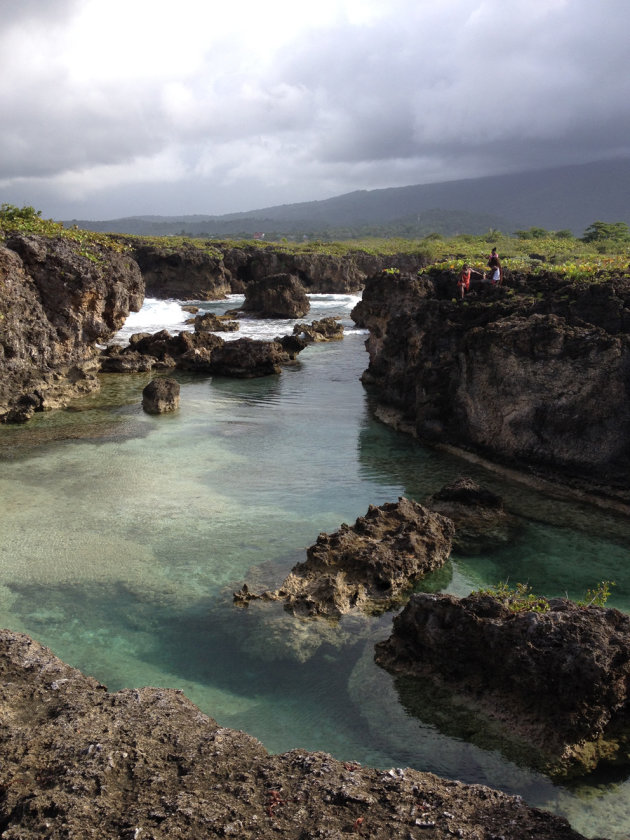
column 407, row 92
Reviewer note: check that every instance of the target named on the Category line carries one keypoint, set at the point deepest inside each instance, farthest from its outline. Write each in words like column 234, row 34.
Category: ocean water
column 123, row 536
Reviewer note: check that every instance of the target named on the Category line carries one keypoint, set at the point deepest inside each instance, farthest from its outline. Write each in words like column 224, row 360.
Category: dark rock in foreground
column 161, row 396
column 481, row 523
column 557, row 681
column 276, row 296
column 80, row 762
column 367, row 567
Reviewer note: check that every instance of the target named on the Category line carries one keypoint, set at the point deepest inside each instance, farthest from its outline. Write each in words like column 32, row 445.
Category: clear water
column 123, row 535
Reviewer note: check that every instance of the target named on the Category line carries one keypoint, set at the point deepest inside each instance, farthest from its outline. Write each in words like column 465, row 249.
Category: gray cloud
column 218, row 118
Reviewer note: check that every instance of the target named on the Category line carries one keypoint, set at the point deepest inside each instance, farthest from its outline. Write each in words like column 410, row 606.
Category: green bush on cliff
column 28, row 220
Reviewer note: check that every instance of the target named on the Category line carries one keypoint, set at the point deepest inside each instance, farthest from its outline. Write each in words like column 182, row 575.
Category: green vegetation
column 597, row 597
column 28, row 220
column 520, row 598
column 607, row 232
column 602, row 252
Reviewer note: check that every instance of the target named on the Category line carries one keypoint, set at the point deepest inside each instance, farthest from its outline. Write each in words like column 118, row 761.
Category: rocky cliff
column 58, row 299
column 209, row 270
column 534, row 375
column 80, row 762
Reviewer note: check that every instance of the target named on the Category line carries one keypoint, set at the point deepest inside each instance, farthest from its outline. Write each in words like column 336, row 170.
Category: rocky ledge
column 553, row 681
column 367, row 567
column 80, row 762
column 57, row 299
column 532, row 375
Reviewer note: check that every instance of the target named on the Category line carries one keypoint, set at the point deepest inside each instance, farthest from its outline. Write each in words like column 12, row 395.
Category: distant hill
column 568, row 197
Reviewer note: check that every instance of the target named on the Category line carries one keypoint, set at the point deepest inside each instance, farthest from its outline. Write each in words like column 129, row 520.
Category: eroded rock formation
column 57, row 300
column 557, row 681
column 210, row 270
column 367, row 567
column 276, row 296
column 209, row 322
column 534, row 376
column 80, row 762
column 184, row 272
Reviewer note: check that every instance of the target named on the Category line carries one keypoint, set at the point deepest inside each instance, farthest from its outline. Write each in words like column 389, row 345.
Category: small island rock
column 276, row 296
column 366, row 567
column 556, row 677
column 161, row 396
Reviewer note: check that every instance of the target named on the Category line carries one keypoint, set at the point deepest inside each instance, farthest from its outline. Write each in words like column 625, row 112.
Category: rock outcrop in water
column 183, row 272
column 534, row 376
column 326, row 329
column 203, row 352
column 209, row 322
column 555, row 683
column 57, row 299
column 367, row 567
column 80, row 762
column 276, row 296
column 161, row 396
column 211, row 270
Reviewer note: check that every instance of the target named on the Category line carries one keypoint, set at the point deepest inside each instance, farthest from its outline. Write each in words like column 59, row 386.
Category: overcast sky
column 111, row 108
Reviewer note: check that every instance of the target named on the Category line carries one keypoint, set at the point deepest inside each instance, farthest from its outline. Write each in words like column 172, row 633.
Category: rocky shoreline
column 80, row 762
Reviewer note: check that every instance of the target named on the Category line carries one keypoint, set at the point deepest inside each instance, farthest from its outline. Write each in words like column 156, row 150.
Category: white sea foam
column 156, row 315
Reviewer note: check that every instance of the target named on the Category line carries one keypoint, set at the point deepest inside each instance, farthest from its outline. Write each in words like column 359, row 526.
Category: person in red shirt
column 463, row 284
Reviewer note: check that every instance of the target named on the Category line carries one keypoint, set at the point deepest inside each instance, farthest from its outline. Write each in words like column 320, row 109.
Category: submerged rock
column 367, row 567
column 481, row 523
column 557, row 680
column 80, row 762
column 161, row 396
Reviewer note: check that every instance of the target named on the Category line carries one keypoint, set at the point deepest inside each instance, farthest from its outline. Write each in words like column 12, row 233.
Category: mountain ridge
column 567, row 197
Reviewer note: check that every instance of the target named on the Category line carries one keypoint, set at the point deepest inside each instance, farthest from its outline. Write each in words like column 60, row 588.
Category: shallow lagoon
column 123, row 536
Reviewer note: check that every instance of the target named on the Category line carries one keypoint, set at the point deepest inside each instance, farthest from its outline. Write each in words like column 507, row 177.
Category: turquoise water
column 123, row 535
